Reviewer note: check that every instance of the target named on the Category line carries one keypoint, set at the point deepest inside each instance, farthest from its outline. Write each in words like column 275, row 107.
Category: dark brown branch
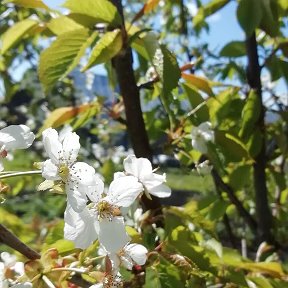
column 9, row 239
column 263, row 212
column 131, row 99
column 234, row 200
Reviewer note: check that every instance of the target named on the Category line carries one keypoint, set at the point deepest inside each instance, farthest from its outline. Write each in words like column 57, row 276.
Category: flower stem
column 15, row 174
column 76, row 270
column 48, row 282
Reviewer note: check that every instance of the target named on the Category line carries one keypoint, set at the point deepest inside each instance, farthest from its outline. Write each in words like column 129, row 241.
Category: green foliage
column 106, row 48
column 234, row 49
column 101, row 11
column 63, row 56
column 14, row 34
column 250, row 13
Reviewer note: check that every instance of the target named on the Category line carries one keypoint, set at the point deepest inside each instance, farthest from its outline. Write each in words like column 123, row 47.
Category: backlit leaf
column 29, row 3
column 106, row 48
column 100, row 10
column 15, row 33
column 198, row 82
column 62, row 25
column 63, row 56
column 234, row 49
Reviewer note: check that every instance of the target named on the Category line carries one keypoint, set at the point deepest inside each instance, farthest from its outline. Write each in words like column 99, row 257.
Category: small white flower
column 130, row 255
column 14, row 137
column 79, row 178
column 141, row 168
column 203, row 168
column 201, row 135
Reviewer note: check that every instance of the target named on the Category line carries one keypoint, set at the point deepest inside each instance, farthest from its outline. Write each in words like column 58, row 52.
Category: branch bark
column 234, row 200
column 131, row 99
column 14, row 242
column 263, row 212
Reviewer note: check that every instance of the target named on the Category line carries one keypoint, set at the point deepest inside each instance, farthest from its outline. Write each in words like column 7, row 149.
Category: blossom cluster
column 93, row 211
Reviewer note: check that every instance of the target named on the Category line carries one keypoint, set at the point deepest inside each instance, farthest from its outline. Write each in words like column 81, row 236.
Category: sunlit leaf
column 61, row 115
column 106, row 48
column 102, row 11
column 15, row 33
column 250, row 114
column 63, row 24
column 150, row 5
column 198, row 82
column 29, row 3
column 63, row 56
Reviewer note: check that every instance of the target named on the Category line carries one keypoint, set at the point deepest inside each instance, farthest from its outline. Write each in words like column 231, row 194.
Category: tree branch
column 234, row 200
column 263, row 212
column 15, row 243
column 131, row 99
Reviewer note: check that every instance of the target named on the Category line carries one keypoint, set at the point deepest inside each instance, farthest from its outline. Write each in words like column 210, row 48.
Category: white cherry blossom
column 203, row 168
column 14, row 137
column 201, row 135
column 101, row 216
column 141, row 168
column 129, row 255
column 79, row 178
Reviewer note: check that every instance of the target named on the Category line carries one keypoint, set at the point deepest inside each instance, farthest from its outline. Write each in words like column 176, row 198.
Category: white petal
column 71, row 147
column 1, row 166
column 98, row 285
column 94, row 192
column 151, row 180
column 137, row 252
column 114, row 258
column 161, row 191
column 52, row 145
column 124, row 190
column 112, row 234
column 50, row 171
column 81, row 228
column 119, row 174
column 200, row 145
column 127, row 262
column 138, row 167
column 16, row 137
column 76, row 197
column 82, row 173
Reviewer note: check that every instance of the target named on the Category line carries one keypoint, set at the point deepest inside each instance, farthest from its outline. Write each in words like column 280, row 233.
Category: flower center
column 3, row 153
column 107, row 210
column 63, row 172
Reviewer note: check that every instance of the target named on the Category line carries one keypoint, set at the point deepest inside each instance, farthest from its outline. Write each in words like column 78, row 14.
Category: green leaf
column 240, row 176
column 232, row 148
column 217, row 210
column 100, row 10
column 207, row 10
column 170, row 72
column 234, row 49
column 63, row 56
column 63, row 24
column 250, row 115
column 270, row 23
column 106, row 48
column 196, row 99
column 15, row 33
column 249, row 14
column 28, row 3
